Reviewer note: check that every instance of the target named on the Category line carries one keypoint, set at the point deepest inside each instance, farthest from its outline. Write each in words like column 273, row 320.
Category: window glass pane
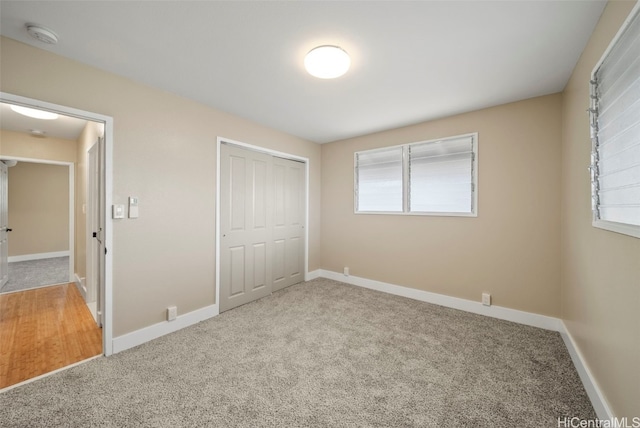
column 616, row 109
column 380, row 180
column 441, row 175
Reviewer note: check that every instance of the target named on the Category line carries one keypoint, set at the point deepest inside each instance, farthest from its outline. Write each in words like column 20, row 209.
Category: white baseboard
column 313, row 275
column 590, row 385
column 38, row 256
column 81, row 286
column 146, row 334
column 514, row 315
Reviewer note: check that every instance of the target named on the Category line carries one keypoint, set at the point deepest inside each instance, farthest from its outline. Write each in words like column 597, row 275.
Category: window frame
column 406, row 177
column 622, row 228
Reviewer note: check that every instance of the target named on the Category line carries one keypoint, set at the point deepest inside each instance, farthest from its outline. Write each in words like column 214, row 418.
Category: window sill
column 426, row 214
column 625, row 229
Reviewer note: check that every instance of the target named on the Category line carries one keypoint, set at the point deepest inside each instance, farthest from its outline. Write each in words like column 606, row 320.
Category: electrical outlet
column 486, row 299
column 172, row 313
column 346, row 271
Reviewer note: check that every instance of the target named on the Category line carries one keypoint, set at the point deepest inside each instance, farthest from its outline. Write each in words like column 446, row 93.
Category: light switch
column 133, row 207
column 118, row 211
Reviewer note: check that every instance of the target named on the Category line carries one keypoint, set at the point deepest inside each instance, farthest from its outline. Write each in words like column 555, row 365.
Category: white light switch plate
column 118, row 211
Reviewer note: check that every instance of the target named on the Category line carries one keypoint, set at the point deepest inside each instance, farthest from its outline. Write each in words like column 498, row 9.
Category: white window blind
column 430, row 178
column 441, row 176
column 615, row 123
column 379, row 174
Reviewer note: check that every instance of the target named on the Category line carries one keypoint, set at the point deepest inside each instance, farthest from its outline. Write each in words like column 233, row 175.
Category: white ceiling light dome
column 327, row 62
column 34, row 113
column 42, row 34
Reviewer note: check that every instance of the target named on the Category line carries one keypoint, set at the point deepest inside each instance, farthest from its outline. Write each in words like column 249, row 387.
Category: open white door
column 4, row 219
column 94, row 231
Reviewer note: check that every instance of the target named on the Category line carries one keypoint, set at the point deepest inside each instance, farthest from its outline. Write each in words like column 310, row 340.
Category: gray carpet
column 319, row 354
column 36, row 273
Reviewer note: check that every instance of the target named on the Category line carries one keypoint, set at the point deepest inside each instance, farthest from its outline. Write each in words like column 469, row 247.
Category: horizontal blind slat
column 621, row 178
column 624, row 99
column 620, row 162
column 628, row 215
column 626, row 50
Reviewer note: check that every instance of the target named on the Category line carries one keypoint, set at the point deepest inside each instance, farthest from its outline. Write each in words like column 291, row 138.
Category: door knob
column 9, row 230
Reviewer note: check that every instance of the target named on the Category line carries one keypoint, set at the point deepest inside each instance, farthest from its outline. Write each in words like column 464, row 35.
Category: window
column 431, row 178
column 615, row 133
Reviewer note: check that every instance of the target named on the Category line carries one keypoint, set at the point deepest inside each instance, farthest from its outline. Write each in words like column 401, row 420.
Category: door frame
column 259, row 149
column 107, row 286
column 71, row 205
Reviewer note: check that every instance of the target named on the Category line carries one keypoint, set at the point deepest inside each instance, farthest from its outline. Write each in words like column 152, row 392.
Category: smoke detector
column 42, row 34
column 38, row 133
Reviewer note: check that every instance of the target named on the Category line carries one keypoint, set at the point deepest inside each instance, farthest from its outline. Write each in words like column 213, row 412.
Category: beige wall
column 510, row 250
column 23, row 145
column 600, row 269
column 165, row 154
column 38, row 208
column 86, row 140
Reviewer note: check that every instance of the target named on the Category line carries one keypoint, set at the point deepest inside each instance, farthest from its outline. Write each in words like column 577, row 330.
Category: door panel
column 279, row 172
column 288, row 225
column 237, row 183
column 294, row 251
column 259, row 186
column 245, row 264
column 237, row 260
column 278, row 261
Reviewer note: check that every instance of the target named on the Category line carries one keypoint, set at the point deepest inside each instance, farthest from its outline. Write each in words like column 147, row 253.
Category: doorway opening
column 89, row 250
column 40, row 195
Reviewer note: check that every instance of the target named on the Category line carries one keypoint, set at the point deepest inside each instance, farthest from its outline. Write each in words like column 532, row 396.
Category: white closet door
column 245, row 226
column 288, row 222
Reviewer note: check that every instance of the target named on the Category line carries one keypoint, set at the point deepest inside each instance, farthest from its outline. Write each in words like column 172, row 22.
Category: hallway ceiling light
column 42, row 34
column 36, row 114
column 327, row 62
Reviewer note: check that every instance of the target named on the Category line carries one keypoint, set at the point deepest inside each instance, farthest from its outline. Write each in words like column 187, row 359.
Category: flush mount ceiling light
column 327, row 62
column 36, row 114
column 42, row 34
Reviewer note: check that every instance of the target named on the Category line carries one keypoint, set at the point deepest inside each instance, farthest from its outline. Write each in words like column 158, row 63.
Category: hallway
column 44, row 329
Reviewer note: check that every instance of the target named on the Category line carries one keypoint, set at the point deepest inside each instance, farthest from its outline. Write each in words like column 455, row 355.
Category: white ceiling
column 411, row 60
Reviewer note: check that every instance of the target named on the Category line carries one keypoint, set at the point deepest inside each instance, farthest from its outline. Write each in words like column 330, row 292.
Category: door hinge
column 105, row 251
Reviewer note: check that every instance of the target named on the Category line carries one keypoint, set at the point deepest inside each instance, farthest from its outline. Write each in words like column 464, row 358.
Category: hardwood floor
column 43, row 330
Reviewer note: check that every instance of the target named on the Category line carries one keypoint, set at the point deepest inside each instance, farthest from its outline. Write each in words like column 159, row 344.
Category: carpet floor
column 36, row 273
column 317, row 354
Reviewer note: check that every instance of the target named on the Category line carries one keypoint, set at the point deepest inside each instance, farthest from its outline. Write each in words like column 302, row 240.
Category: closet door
column 288, row 222
column 245, row 226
